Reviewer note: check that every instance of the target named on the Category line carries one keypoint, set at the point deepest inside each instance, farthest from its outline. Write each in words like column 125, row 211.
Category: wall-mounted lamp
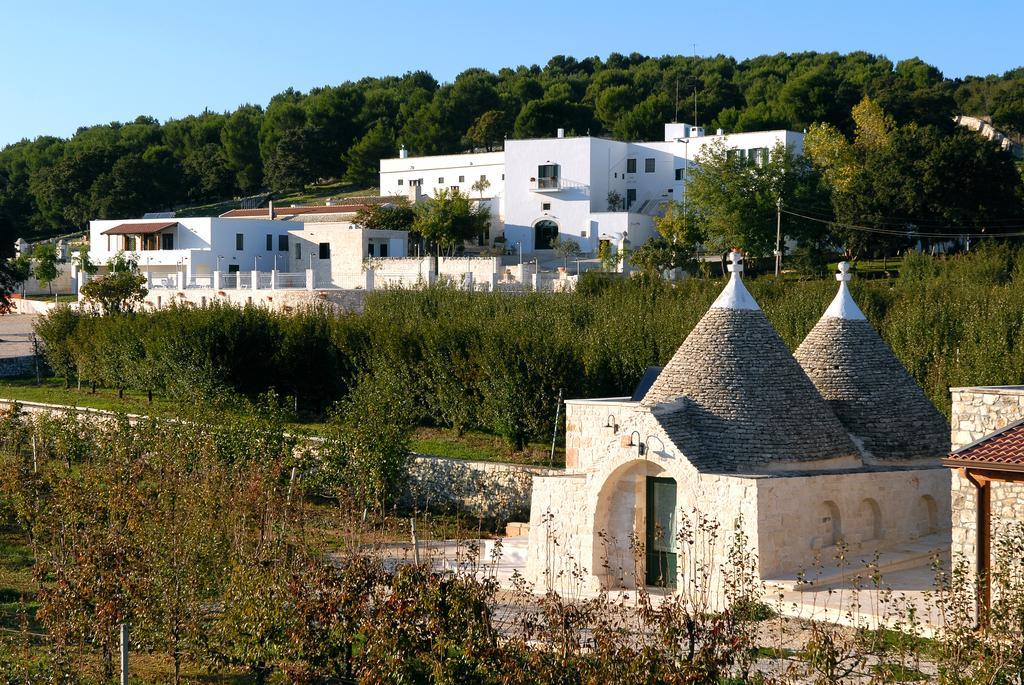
column 612, row 423
column 640, row 447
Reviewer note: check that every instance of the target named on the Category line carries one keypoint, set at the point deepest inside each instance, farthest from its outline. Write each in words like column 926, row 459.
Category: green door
column 661, row 532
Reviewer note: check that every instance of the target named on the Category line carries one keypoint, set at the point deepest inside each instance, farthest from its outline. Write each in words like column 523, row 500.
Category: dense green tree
column 896, row 180
column 364, row 157
column 391, row 216
column 44, row 267
column 489, row 130
column 450, row 218
column 733, row 199
column 240, row 139
column 119, row 291
column 288, row 168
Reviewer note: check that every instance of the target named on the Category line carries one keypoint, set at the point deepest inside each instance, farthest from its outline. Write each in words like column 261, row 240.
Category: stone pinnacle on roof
column 843, row 306
column 735, row 295
column 733, row 398
column 867, row 387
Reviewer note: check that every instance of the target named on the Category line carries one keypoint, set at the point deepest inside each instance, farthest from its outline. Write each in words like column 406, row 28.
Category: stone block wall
column 491, row 490
column 593, row 427
column 978, row 412
column 558, row 555
column 803, row 517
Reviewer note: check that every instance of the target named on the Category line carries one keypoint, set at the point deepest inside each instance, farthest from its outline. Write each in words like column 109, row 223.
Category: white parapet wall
column 478, row 271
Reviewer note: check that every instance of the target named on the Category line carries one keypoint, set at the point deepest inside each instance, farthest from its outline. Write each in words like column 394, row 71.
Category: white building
column 186, row 253
column 560, row 187
column 193, row 246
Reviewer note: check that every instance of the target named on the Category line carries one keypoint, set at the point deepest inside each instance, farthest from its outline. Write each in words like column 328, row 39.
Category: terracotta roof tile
column 1004, row 448
column 143, row 228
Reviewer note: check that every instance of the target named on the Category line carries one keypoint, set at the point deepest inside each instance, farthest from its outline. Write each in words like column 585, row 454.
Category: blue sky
column 67, row 64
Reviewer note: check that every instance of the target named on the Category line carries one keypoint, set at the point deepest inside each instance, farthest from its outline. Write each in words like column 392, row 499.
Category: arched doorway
column 544, row 233
column 637, row 503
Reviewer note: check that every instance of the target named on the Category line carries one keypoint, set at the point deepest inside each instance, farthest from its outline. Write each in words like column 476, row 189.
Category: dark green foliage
column 334, row 132
column 462, row 360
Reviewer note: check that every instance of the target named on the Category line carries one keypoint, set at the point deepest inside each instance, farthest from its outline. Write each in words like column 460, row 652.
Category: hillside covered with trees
column 51, row 185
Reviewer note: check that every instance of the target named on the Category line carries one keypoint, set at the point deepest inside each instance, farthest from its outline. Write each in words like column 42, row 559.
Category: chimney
column 270, row 209
column 561, row 133
column 403, row 153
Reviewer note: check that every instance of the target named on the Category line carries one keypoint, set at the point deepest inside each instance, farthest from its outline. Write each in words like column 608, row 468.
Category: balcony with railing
column 554, row 184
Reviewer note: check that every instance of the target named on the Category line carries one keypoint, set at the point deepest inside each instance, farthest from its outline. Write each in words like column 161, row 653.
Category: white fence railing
column 229, row 280
column 291, row 280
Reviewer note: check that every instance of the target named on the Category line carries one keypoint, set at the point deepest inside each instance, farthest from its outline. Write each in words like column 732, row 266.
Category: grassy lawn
column 876, row 268
column 315, row 193
column 51, row 298
column 480, row 446
column 52, row 391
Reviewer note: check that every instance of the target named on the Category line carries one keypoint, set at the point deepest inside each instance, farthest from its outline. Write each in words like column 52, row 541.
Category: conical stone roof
column 733, row 398
column 867, row 386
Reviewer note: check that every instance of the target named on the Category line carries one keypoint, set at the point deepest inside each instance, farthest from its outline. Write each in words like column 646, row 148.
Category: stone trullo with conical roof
column 835, row 446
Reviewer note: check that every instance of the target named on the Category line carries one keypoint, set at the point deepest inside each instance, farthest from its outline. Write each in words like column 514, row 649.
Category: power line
column 951, row 234
column 898, row 222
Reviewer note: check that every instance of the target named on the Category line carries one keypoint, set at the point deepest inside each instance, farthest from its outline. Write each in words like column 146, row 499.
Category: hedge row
column 498, row 362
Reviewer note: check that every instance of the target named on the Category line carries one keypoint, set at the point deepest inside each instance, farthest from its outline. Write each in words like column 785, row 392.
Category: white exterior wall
column 349, row 248
column 590, row 167
column 198, row 241
column 581, row 524
column 449, row 171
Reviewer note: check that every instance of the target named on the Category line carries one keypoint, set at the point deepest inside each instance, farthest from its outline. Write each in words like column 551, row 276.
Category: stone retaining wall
column 491, row 490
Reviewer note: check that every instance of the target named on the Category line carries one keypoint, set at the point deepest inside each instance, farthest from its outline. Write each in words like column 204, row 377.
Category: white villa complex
column 314, row 247
column 543, row 188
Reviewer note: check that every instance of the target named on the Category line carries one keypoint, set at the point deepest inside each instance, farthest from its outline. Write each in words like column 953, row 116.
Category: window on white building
column 547, row 176
column 546, row 206
column 649, row 165
column 440, row 179
column 401, row 181
column 239, row 241
column 679, row 174
column 298, row 251
column 167, row 241
column 631, row 165
column 325, row 250
column 270, row 242
column 282, row 243
column 462, row 179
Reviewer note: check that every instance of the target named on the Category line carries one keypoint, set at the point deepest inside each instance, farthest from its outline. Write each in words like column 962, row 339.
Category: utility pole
column 778, row 236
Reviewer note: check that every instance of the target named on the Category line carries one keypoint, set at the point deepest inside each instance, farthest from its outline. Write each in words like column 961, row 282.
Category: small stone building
column 988, row 470
column 835, row 447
